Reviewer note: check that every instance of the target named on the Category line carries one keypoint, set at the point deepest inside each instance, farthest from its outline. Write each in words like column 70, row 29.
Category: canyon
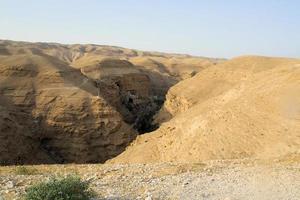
column 94, row 104
column 81, row 103
column 148, row 125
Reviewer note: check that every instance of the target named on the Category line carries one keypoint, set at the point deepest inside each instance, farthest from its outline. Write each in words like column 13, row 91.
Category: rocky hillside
column 245, row 107
column 81, row 103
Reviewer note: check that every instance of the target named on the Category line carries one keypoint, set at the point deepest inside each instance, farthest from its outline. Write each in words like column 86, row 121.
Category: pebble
column 9, row 185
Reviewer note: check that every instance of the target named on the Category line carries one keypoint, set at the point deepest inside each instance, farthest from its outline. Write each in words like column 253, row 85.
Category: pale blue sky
column 215, row 28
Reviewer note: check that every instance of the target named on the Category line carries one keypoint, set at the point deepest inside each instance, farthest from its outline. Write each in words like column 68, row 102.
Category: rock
column 10, row 185
column 148, row 198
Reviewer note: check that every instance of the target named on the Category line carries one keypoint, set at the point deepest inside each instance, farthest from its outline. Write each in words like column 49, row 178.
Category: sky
column 214, row 28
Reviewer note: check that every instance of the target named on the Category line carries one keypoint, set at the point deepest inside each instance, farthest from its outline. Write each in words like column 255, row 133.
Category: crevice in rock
column 137, row 101
column 143, row 111
column 135, row 92
column 47, row 147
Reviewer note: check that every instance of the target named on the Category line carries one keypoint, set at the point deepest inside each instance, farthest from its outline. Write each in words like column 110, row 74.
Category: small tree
column 68, row 188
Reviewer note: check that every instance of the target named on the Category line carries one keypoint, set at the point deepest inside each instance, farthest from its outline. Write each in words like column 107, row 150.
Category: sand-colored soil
column 245, row 107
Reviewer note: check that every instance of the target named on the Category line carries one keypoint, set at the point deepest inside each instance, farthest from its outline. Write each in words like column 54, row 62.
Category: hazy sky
column 216, row 28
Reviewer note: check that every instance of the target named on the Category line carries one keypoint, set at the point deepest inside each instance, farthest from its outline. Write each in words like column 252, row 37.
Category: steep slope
column 61, row 111
column 246, row 107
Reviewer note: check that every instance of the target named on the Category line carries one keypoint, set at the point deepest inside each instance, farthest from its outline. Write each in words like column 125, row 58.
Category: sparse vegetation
column 22, row 170
column 68, row 188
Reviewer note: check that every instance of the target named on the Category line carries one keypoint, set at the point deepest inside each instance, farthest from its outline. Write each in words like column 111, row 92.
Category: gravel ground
column 217, row 180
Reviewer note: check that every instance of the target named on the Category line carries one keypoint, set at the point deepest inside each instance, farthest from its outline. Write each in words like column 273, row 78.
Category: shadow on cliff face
column 18, row 131
column 140, row 92
column 29, row 138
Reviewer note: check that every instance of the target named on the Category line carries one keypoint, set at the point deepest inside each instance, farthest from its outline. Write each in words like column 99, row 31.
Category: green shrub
column 68, row 188
column 22, row 170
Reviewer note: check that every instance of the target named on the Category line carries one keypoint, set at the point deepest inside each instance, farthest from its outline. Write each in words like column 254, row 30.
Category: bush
column 68, row 188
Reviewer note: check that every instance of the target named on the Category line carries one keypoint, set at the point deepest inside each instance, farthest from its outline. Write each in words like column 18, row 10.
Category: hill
column 248, row 107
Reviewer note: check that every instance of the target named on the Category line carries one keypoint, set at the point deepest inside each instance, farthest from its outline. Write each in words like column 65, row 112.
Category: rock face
column 14, row 138
column 245, row 107
column 77, row 103
column 64, row 115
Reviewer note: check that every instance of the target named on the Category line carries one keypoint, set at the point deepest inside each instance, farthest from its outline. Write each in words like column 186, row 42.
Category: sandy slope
column 246, row 107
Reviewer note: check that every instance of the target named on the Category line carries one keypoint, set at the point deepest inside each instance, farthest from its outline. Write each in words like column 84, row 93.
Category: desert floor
column 213, row 180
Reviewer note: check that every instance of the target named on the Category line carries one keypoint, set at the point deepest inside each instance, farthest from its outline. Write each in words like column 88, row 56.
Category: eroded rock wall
column 137, row 99
column 58, row 112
